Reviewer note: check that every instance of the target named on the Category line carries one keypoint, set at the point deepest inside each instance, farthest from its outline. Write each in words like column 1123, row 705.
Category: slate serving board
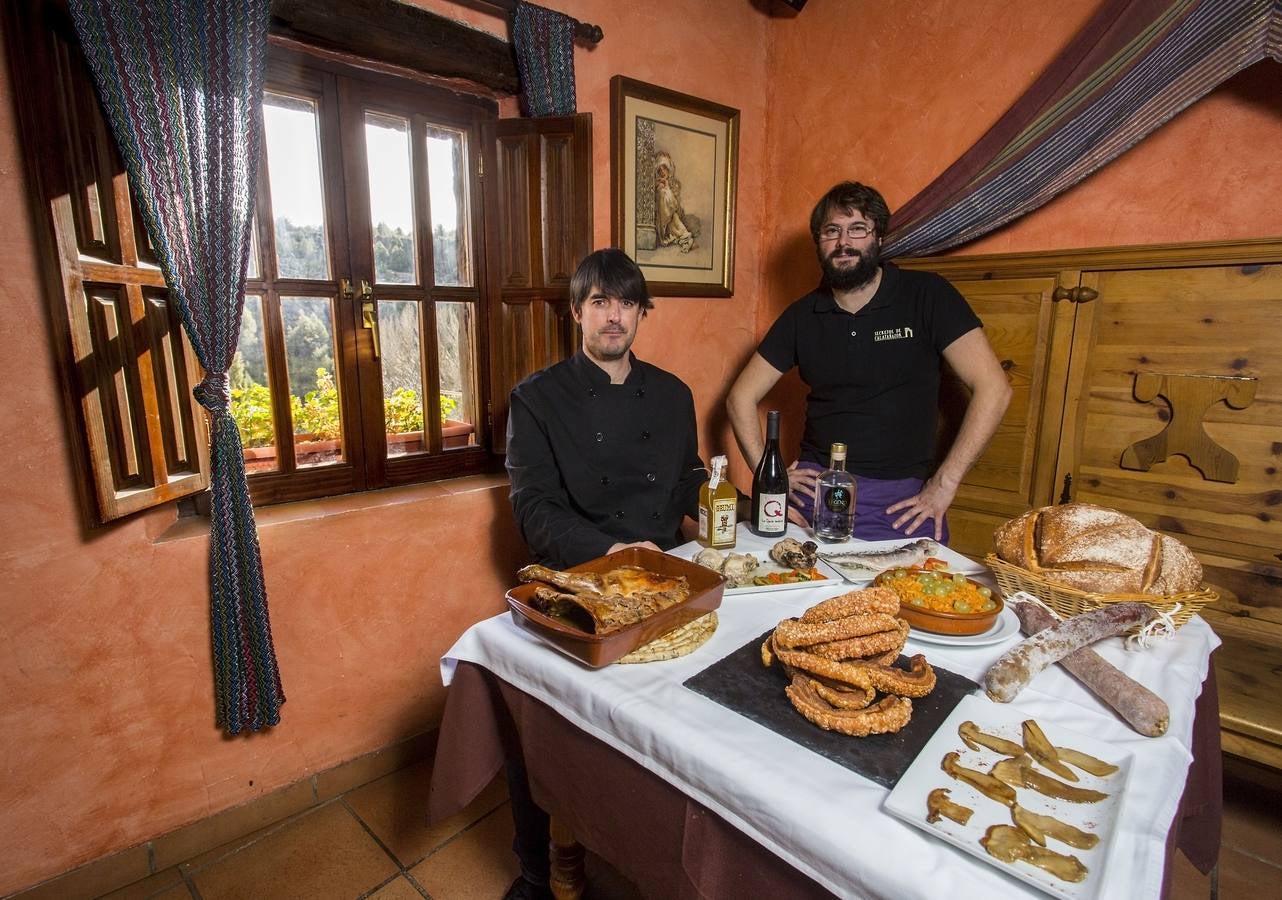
column 741, row 683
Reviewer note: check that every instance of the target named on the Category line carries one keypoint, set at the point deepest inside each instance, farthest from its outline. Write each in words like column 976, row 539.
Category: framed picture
column 676, row 161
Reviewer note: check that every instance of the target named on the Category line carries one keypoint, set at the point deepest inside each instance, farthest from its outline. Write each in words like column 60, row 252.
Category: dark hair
column 614, row 273
column 848, row 196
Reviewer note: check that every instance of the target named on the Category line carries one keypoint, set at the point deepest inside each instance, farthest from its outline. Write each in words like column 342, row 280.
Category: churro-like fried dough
column 791, row 633
column 847, row 698
column 868, row 600
column 917, row 681
column 867, row 645
column 890, row 715
column 768, row 651
column 845, row 673
column 881, row 659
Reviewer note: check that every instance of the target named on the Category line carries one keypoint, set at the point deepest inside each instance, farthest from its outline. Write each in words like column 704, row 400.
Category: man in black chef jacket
column 602, row 454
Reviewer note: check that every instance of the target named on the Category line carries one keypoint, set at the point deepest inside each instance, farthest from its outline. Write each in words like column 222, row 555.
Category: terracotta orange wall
column 891, row 93
column 106, row 712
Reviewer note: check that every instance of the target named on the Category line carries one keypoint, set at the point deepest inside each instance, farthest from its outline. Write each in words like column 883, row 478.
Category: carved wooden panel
column 1214, row 321
column 513, row 210
column 1027, row 331
column 126, row 371
column 560, row 255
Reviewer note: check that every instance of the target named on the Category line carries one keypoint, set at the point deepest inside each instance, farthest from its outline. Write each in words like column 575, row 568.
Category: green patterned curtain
column 181, row 82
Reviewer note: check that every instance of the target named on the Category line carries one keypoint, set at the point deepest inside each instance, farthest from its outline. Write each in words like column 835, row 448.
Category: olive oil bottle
column 717, row 501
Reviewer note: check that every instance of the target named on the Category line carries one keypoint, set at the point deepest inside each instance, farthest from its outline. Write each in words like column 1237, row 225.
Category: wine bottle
column 835, row 499
column 770, row 486
column 717, row 501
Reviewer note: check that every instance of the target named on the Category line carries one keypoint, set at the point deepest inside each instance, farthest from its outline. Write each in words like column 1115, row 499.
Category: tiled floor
column 372, row 843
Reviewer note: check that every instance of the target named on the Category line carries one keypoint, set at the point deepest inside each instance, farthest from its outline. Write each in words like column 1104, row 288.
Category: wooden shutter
column 127, row 369
column 538, row 184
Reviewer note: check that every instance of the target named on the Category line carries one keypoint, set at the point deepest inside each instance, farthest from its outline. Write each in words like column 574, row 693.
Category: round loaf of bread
column 1096, row 549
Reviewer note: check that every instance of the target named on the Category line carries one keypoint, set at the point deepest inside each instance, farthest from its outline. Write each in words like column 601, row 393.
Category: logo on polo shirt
column 892, row 334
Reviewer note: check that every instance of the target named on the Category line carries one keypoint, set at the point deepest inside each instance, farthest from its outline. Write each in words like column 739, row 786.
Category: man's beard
column 849, row 278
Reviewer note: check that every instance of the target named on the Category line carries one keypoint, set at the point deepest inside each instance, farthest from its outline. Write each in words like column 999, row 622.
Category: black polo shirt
column 593, row 463
column 874, row 375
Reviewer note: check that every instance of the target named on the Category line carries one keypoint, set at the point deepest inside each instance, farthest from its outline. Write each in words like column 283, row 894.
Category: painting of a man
column 672, row 225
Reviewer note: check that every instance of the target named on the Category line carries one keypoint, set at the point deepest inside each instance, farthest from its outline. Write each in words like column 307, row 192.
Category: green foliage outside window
column 317, row 413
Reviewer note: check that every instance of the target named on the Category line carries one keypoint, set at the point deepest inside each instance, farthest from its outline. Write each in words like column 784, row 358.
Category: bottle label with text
column 772, row 513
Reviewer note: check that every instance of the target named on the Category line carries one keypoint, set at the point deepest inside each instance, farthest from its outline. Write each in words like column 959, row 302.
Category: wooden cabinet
column 1084, row 337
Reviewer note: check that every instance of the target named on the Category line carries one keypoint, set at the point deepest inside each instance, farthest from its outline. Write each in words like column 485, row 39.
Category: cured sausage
column 1021, row 664
column 1142, row 709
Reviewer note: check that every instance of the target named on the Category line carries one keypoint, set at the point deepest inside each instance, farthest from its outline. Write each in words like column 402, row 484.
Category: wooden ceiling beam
column 402, row 35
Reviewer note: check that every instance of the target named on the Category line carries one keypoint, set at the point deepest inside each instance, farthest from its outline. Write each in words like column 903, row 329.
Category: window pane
column 251, row 271
column 402, row 356
column 455, row 346
column 391, row 199
column 308, row 324
column 446, row 170
column 294, row 176
column 251, row 398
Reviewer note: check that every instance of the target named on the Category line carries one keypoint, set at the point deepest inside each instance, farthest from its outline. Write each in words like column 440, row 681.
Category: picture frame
column 675, row 162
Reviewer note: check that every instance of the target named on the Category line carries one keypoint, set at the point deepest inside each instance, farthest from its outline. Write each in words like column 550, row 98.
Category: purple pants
column 872, row 496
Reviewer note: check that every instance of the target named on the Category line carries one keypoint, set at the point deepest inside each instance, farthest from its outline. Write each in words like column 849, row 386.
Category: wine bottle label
column 772, row 513
column 838, row 500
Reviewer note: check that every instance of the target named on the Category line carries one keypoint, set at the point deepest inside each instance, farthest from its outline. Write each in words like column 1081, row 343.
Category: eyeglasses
column 855, row 231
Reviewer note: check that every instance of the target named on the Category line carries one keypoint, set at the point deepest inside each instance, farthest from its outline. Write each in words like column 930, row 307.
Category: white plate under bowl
column 956, row 562
column 1006, row 626
column 908, row 800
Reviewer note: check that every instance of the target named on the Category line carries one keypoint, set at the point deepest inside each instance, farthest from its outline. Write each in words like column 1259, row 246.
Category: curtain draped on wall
column 544, row 43
column 1135, row 65
column 181, row 82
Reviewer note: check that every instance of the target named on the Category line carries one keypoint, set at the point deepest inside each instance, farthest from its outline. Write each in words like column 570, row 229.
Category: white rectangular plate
column 956, row 562
column 768, row 566
column 908, row 799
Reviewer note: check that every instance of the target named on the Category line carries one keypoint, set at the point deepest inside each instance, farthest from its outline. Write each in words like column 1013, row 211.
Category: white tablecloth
column 819, row 816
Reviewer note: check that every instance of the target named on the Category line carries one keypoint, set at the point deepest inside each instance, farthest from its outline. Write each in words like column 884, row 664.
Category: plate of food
column 1006, row 626
column 1037, row 801
column 860, row 562
column 934, row 599
column 789, row 565
column 602, row 610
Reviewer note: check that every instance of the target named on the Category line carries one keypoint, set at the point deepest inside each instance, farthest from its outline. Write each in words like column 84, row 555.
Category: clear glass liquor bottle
column 835, row 499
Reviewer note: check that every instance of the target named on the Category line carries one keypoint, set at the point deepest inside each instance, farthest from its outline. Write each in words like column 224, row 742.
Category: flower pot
column 456, row 434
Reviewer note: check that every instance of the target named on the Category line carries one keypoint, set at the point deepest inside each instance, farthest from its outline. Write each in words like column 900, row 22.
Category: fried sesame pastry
column 865, row 645
column 889, row 715
column 868, row 600
column 791, row 633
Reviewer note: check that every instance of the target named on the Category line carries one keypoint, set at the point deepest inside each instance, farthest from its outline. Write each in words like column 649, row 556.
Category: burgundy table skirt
column 665, row 842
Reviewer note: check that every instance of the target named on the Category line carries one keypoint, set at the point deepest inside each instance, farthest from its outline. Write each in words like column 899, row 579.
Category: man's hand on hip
column 931, row 503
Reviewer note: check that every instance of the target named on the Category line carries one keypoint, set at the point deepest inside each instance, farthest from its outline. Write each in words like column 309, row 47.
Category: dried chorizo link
column 790, row 633
column 1019, row 665
column 869, row 600
column 1142, row 709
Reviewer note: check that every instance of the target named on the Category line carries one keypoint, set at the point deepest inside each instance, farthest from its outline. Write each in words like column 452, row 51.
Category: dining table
column 687, row 795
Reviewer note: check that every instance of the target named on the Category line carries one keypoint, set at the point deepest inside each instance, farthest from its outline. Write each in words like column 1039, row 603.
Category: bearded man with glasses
column 868, row 343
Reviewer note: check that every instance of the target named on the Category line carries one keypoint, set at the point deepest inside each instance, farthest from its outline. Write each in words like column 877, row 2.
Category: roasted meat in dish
column 605, row 602
column 795, row 555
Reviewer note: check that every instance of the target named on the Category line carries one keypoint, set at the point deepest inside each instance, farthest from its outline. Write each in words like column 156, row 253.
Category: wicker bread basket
column 1069, row 601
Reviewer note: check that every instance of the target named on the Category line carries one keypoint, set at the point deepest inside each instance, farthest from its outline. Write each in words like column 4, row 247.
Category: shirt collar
column 594, row 376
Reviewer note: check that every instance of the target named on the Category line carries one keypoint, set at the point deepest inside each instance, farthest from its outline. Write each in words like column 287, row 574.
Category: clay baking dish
column 597, row 650
column 963, row 624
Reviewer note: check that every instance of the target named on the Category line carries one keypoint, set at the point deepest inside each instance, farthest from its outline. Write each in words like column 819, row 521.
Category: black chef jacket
column 593, row 463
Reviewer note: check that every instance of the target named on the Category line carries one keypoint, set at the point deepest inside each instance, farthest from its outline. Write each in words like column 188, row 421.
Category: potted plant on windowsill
column 316, row 416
